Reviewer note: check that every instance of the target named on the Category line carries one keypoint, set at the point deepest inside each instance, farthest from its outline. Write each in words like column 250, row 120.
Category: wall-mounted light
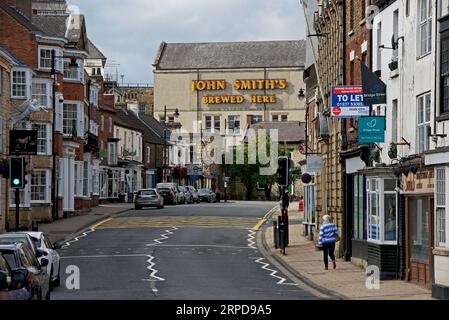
column 301, row 93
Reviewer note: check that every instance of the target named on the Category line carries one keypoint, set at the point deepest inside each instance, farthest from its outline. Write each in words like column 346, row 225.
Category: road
column 187, row 252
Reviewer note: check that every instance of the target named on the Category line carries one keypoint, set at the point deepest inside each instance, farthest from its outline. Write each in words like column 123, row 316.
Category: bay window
column 40, row 186
column 19, row 84
column 72, row 73
column 382, row 210
column 43, row 138
column 73, row 119
column 45, row 58
column 40, row 93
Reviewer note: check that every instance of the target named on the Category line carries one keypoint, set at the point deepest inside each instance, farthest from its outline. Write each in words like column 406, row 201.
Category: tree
column 248, row 173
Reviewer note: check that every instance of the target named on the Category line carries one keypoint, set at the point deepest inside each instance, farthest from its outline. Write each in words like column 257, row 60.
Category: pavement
column 347, row 282
column 65, row 229
column 186, row 252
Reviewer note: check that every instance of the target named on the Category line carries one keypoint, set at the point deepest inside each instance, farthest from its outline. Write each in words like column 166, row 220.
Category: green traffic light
column 16, row 182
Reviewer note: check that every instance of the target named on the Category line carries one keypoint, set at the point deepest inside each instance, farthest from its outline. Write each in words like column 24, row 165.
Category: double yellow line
column 264, row 219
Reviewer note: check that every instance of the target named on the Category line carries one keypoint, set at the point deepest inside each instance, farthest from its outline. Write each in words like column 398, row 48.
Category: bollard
column 282, row 240
column 275, row 235
column 286, row 231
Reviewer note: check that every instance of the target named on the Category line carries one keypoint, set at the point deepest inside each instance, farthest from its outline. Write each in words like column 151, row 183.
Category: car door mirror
column 4, row 285
column 44, row 262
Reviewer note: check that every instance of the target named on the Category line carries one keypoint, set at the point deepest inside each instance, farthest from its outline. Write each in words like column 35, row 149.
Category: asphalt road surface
column 186, row 252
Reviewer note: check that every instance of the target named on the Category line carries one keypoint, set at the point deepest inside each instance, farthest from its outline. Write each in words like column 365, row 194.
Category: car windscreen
column 10, row 258
column 147, row 193
column 203, row 191
column 163, row 190
column 10, row 240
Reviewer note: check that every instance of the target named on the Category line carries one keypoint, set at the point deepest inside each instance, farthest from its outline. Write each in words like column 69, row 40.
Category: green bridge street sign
column 371, row 129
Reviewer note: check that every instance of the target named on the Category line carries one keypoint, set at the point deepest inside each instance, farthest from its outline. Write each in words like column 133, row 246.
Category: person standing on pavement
column 328, row 238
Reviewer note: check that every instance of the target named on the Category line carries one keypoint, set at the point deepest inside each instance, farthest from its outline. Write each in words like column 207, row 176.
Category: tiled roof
column 221, row 55
column 56, row 26
column 94, row 52
column 129, row 120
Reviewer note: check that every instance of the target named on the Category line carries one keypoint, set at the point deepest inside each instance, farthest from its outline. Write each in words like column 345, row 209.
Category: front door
column 420, row 240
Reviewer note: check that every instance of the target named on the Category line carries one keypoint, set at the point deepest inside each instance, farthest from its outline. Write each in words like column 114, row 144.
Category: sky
column 129, row 32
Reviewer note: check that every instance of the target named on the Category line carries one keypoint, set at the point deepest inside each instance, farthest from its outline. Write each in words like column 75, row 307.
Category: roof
column 52, row 25
column 10, row 56
column 20, row 18
column 94, row 52
column 128, row 119
column 155, row 125
column 290, row 131
column 222, row 55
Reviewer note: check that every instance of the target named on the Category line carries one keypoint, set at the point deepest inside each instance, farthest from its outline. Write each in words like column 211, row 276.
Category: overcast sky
column 129, row 32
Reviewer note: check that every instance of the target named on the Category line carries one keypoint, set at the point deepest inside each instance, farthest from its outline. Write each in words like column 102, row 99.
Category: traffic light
column 17, row 172
column 283, row 171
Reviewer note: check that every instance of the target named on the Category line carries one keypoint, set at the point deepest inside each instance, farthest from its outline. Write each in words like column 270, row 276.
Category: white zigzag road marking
column 153, row 271
column 163, row 237
column 251, row 239
column 273, row 272
column 78, row 238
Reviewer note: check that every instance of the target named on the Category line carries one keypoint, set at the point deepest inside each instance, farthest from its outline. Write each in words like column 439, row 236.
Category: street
column 185, row 252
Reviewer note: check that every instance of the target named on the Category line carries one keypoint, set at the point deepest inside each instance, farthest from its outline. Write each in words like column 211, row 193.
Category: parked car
column 208, row 195
column 182, row 199
column 187, row 194
column 12, row 286
column 195, row 195
column 44, row 245
column 25, row 265
column 169, row 193
column 148, row 198
column 14, row 237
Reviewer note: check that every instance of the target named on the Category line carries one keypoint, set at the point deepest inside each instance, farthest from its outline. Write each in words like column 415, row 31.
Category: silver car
column 148, row 198
column 194, row 194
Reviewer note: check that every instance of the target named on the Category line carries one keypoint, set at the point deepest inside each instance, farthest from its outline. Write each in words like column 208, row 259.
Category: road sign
column 347, row 102
column 23, row 142
column 372, row 130
column 194, row 170
column 227, row 179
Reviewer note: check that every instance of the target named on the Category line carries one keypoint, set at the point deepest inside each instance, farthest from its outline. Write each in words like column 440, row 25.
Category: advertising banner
column 372, row 130
column 347, row 102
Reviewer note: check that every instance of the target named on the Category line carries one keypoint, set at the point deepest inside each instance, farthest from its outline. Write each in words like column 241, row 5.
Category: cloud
column 130, row 32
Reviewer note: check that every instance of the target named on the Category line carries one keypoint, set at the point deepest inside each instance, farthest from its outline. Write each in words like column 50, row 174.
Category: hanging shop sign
column 372, row 130
column 314, row 163
column 23, row 142
column 239, row 85
column 374, row 89
column 347, row 102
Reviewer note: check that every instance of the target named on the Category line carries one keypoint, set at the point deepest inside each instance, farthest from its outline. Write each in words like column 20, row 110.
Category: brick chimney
column 24, row 6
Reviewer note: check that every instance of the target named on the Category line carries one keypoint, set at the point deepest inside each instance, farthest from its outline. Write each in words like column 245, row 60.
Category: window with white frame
column 79, row 178
column 95, row 182
column 24, row 196
column 208, row 124
column 112, row 153
column 72, row 72
column 425, row 27
column 86, row 179
column 424, row 110
column 382, row 210
column 217, row 124
column 440, row 206
column 40, row 93
column 256, row 119
column 275, row 118
column 45, row 58
column 19, row 84
column 40, row 186
column 69, row 118
column 43, row 138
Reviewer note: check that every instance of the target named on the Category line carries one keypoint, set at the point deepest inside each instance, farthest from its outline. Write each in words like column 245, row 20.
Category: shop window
column 359, row 220
column 382, row 210
column 441, row 210
column 420, row 229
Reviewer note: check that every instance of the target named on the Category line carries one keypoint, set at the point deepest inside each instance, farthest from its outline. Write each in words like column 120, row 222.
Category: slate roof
column 20, row 18
column 127, row 119
column 51, row 25
column 155, row 125
column 222, row 55
column 290, row 132
column 94, row 52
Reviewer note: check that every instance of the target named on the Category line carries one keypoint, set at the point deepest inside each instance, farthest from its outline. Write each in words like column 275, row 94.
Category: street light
column 166, row 160
column 72, row 65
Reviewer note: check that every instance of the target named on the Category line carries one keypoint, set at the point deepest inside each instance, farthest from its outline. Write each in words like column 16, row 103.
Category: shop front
column 419, row 202
column 385, row 228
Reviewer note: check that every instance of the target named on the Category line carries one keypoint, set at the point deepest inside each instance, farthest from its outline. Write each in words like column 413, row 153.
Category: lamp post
column 166, row 160
column 73, row 64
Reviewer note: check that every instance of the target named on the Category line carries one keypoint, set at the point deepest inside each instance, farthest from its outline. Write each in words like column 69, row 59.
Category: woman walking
column 328, row 238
